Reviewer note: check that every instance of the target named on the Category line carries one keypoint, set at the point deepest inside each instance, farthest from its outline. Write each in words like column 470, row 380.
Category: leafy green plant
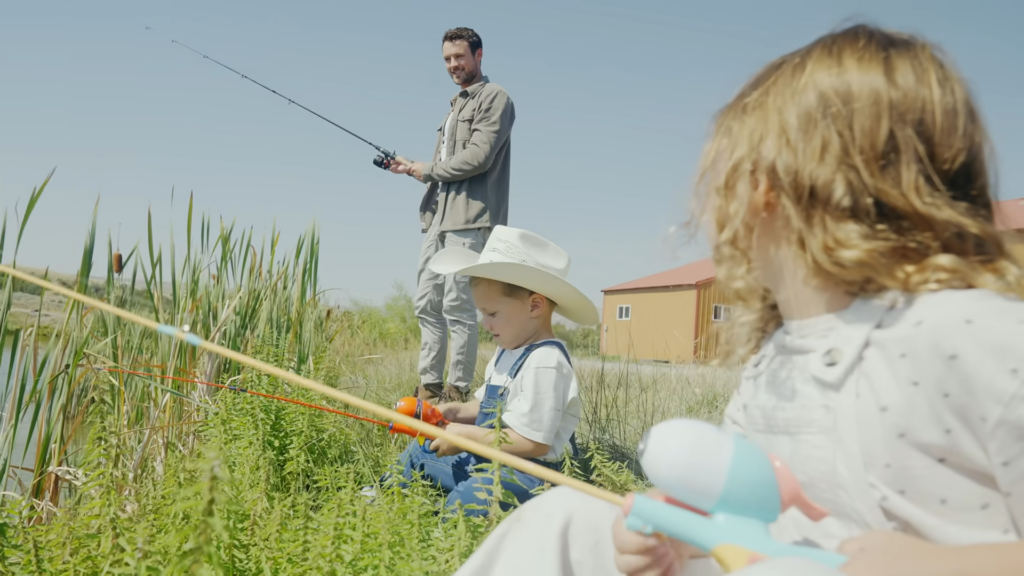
column 582, row 341
column 108, row 472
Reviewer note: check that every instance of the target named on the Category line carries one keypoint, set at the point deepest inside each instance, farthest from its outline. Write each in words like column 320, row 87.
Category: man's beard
column 465, row 76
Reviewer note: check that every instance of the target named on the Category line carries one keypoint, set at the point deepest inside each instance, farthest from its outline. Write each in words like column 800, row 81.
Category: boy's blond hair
column 877, row 154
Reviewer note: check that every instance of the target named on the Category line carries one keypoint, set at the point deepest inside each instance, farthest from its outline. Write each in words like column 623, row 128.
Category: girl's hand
column 640, row 555
column 894, row 554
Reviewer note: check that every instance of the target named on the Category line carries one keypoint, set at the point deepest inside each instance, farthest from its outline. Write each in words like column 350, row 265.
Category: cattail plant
column 104, row 472
column 53, row 383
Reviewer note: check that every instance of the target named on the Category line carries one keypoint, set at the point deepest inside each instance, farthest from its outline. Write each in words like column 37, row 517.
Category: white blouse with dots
column 898, row 413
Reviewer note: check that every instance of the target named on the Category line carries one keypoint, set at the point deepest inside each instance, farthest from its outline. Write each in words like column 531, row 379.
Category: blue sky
column 613, row 105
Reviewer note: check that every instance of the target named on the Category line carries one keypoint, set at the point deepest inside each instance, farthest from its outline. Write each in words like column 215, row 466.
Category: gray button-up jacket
column 469, row 189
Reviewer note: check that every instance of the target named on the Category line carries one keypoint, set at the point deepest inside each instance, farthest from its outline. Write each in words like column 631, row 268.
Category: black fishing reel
column 383, row 162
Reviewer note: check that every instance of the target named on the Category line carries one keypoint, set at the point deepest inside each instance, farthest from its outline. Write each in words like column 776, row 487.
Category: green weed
column 115, row 473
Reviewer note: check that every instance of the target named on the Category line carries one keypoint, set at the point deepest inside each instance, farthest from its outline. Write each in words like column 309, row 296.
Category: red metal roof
column 682, row 276
column 1010, row 214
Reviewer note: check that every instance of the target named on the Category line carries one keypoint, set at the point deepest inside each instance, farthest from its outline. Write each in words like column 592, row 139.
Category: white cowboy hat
column 524, row 259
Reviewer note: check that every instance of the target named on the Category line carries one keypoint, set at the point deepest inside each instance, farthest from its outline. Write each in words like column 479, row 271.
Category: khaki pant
column 445, row 303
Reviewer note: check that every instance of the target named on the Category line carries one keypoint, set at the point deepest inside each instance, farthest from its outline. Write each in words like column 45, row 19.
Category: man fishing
column 467, row 195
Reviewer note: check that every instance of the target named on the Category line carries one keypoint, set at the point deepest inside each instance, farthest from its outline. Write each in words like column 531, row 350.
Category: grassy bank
column 137, row 474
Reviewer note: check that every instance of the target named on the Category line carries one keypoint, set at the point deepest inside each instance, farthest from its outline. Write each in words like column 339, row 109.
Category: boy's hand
column 442, row 447
column 460, row 412
column 640, row 555
column 893, row 553
column 450, row 410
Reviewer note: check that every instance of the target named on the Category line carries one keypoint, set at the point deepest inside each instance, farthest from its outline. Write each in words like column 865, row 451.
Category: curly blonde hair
column 877, row 155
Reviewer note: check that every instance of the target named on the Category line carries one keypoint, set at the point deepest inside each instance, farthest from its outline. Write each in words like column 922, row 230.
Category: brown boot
column 452, row 394
column 435, row 393
column 429, row 392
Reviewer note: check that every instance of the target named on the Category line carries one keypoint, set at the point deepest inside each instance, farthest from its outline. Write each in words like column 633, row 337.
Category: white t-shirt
column 444, row 134
column 543, row 402
column 898, row 413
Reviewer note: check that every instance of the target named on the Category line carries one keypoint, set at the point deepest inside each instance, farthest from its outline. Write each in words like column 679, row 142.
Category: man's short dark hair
column 466, row 34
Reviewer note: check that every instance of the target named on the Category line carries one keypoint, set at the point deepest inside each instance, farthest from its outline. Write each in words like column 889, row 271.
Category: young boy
column 518, row 281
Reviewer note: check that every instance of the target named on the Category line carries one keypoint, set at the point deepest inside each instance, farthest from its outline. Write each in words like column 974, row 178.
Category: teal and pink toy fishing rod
column 723, row 492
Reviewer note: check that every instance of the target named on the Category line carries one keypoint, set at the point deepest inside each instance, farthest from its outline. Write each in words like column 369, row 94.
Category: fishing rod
column 383, row 161
column 409, row 406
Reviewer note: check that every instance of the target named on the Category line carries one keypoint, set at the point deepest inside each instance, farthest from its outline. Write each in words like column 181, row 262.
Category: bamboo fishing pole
column 512, row 461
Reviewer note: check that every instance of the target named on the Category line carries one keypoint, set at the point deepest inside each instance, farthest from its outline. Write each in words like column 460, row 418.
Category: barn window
column 720, row 312
column 624, row 312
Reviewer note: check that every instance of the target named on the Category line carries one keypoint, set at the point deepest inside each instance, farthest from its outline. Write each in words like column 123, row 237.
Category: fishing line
column 241, row 389
column 512, row 461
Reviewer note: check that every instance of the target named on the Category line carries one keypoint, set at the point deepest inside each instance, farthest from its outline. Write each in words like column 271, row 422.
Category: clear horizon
column 613, row 104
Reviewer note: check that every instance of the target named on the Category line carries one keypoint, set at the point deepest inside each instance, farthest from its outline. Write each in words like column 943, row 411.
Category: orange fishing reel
column 420, row 410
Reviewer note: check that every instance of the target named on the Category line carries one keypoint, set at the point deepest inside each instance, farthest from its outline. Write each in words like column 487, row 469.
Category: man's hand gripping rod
column 385, row 159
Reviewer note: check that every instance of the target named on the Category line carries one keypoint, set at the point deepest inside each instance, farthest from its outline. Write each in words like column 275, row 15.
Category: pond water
column 4, row 360
column 6, row 357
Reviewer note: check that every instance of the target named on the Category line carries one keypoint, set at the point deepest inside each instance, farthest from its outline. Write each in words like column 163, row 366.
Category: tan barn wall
column 706, row 335
column 661, row 324
column 675, row 324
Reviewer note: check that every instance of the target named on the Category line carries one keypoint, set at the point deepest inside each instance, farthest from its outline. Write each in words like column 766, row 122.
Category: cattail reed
column 118, row 265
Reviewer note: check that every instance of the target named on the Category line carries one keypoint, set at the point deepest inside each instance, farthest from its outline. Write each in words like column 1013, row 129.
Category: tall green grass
column 132, row 474
column 224, row 287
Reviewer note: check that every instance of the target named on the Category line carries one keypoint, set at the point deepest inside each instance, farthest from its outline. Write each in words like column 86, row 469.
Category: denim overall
column 453, row 474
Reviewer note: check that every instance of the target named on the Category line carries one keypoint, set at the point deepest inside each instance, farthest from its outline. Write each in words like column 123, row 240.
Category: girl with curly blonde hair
column 848, row 194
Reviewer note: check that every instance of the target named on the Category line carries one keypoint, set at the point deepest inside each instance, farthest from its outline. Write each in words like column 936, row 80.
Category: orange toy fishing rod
column 409, row 406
